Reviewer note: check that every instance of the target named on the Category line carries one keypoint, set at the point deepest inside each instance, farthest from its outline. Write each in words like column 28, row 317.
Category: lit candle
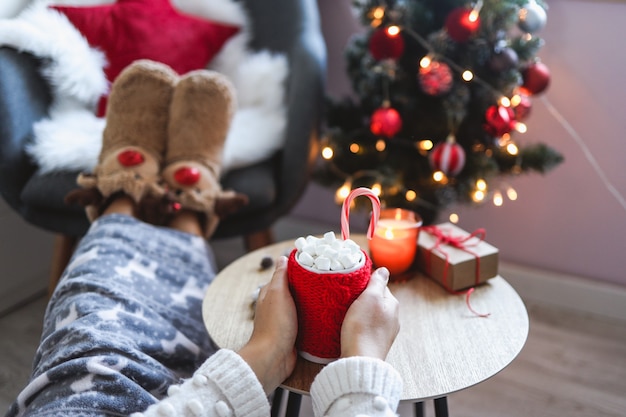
column 395, row 240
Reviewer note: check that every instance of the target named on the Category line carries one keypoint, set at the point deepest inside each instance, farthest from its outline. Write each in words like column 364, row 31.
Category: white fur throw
column 70, row 139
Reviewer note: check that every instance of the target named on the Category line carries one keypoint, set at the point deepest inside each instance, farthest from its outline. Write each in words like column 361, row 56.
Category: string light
column 410, row 195
column 343, row 192
column 439, row 176
column 506, row 138
column 393, row 30
column 516, row 100
column 478, row 196
column 425, row 145
column 521, row 127
column 376, row 15
column 498, row 200
column 467, row 75
column 327, row 152
column 512, row 149
column 511, row 193
column 481, row 185
column 381, row 145
column 354, row 147
column 378, row 12
column 377, row 189
column 474, row 14
column 426, row 61
column 454, row 218
column 504, row 101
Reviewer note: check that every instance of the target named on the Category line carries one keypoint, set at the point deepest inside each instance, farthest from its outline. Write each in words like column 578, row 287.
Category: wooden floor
column 573, row 365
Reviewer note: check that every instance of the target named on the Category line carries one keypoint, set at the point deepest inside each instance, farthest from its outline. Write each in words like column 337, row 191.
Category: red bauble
column 499, row 120
column 383, row 45
column 522, row 109
column 536, row 78
column 460, row 25
column 385, row 122
column 447, row 157
column 436, row 78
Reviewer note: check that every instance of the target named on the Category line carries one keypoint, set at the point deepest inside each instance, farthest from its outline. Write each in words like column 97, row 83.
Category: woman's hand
column 372, row 322
column 271, row 352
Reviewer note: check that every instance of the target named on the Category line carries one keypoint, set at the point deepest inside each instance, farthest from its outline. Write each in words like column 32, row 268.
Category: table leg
column 293, row 404
column 419, row 409
column 277, row 400
column 441, row 407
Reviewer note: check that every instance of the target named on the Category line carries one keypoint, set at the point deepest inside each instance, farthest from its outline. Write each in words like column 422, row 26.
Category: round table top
column 442, row 346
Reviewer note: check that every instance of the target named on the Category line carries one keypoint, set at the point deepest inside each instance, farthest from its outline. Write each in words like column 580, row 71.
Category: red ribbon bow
column 459, row 242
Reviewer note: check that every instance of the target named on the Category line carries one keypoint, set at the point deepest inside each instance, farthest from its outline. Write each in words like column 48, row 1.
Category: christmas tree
column 442, row 90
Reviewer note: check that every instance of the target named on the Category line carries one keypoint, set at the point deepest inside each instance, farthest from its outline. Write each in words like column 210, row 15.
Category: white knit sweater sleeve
column 223, row 386
column 356, row 385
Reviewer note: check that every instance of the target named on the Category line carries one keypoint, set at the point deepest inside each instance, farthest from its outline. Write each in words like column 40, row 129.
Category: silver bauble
column 532, row 17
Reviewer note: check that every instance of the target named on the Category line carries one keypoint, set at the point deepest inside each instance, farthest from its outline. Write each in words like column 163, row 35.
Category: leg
column 187, row 221
column 277, row 400
column 184, row 221
column 293, row 405
column 116, row 320
column 419, row 409
column 441, row 407
column 258, row 239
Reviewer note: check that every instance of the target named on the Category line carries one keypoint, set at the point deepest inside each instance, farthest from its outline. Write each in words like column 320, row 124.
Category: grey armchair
column 273, row 186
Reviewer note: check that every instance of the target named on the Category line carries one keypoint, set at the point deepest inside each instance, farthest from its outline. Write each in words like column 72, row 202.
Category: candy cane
column 345, row 211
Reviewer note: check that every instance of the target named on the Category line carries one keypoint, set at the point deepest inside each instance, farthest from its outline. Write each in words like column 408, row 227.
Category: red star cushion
column 148, row 29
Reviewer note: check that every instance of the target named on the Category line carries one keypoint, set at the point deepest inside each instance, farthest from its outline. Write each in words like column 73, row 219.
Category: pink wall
column 567, row 221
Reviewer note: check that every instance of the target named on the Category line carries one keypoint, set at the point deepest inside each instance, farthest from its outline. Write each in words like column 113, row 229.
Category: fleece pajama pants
column 124, row 323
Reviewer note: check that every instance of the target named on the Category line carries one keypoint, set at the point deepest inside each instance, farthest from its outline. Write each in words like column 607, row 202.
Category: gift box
column 455, row 258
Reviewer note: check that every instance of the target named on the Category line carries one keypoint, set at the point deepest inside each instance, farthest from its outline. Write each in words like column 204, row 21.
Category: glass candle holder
column 394, row 243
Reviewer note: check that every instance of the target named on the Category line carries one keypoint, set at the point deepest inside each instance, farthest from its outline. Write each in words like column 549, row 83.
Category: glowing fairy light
column 393, row 30
column 498, row 200
column 438, row 176
column 355, row 148
column 511, row 193
column 481, row 185
column 512, row 149
column 378, row 13
column 381, row 145
column 410, row 195
column 327, row 152
column 467, row 75
column 454, row 218
column 478, row 196
column 343, row 192
column 425, row 145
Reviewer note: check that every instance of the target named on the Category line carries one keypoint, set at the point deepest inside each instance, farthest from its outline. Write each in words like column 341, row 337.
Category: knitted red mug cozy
column 323, row 297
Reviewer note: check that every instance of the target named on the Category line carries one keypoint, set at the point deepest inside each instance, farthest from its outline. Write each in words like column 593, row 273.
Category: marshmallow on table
column 327, row 253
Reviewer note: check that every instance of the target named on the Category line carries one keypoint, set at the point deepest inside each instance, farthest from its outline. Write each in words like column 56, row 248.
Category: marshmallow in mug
column 328, row 253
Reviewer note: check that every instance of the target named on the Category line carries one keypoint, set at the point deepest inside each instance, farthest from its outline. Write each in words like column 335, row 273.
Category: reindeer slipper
column 134, row 138
column 201, row 111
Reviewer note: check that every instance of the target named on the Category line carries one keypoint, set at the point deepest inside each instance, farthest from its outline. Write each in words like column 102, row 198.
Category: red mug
column 322, row 299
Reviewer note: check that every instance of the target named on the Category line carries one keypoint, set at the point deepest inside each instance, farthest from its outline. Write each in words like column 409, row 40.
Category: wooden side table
column 442, row 346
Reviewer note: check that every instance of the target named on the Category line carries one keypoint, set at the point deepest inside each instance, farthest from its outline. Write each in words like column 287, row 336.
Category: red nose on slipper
column 130, row 158
column 187, row 175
